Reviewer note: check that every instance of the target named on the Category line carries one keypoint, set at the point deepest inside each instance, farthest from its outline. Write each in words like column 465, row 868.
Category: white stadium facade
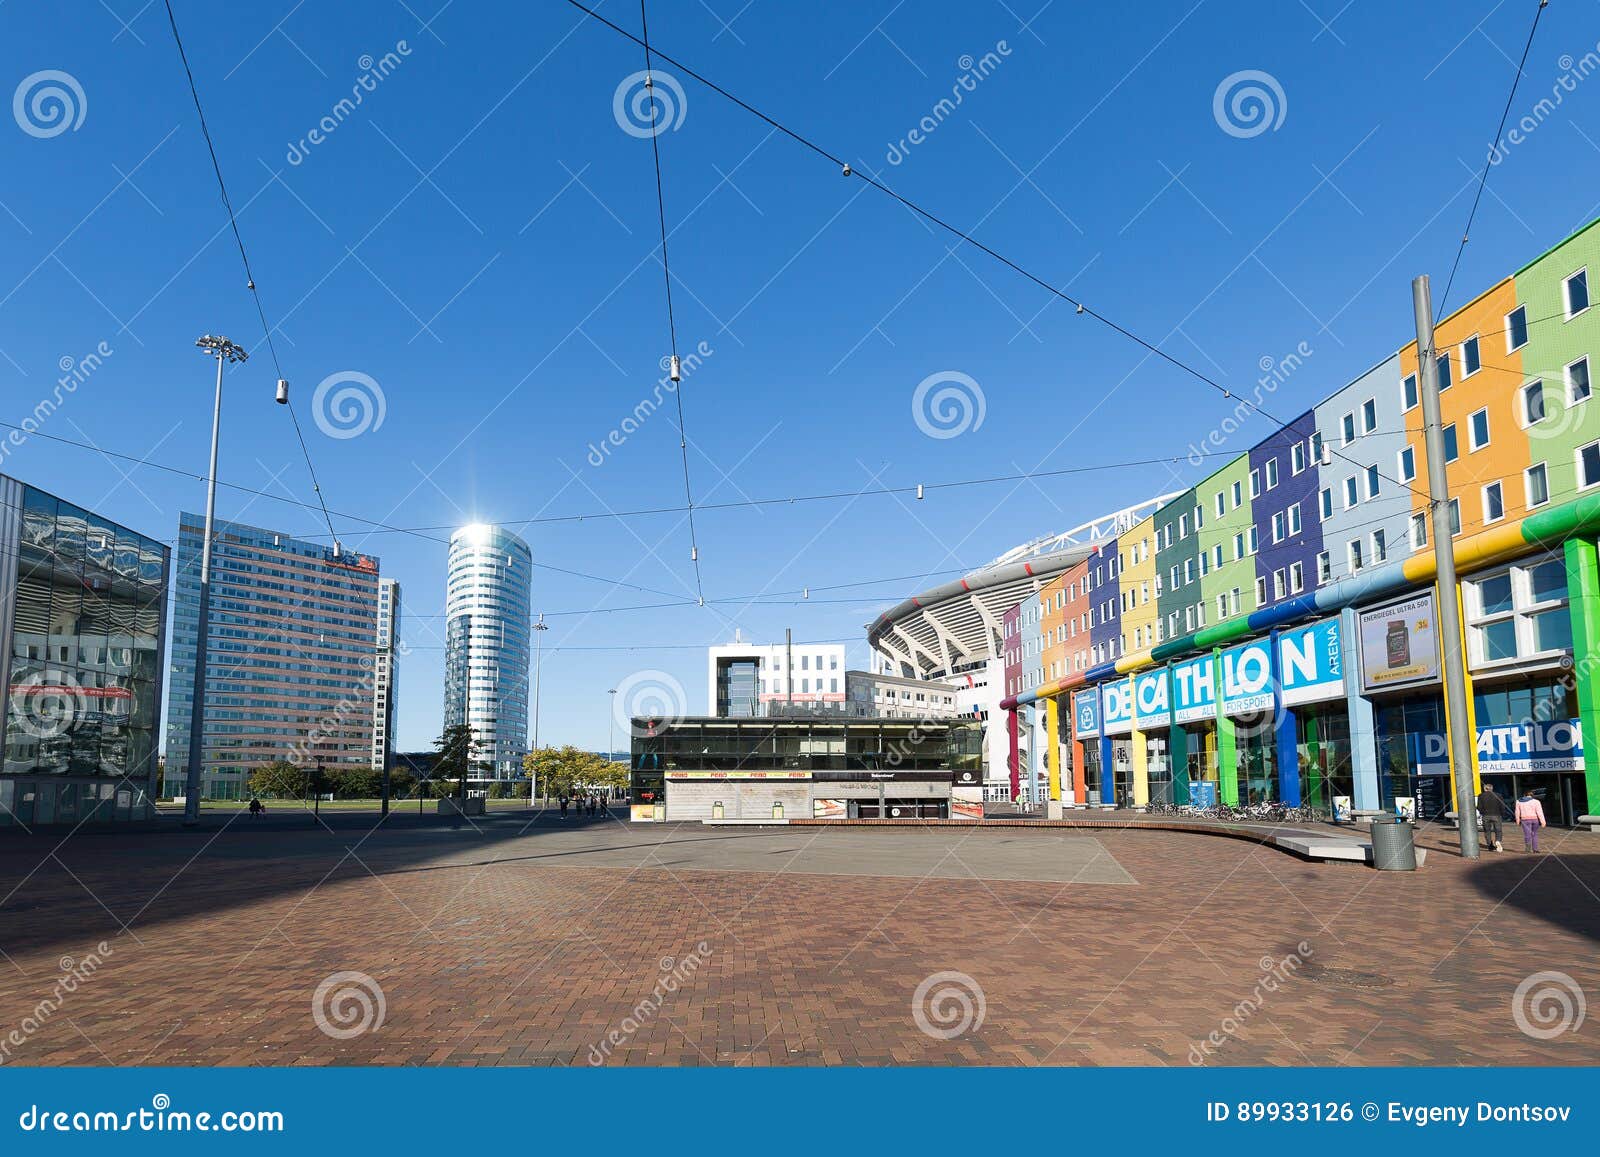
column 952, row 633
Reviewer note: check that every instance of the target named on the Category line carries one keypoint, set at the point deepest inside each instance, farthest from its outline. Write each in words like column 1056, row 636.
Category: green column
column 1313, row 752
column 1227, row 748
column 1178, row 758
column 1583, row 593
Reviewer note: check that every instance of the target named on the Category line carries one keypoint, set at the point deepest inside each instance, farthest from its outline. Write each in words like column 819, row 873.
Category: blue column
column 1108, row 775
column 1283, row 734
column 1358, row 708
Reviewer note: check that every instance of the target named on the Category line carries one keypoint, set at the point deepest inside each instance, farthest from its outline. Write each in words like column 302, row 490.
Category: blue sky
column 478, row 237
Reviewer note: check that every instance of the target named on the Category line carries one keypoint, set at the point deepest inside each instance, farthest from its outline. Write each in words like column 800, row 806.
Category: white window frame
column 1476, row 342
column 1371, row 482
column 1295, row 520
column 1577, row 465
column 1370, row 405
column 1354, row 556
column 1530, row 389
column 1297, row 458
column 1297, row 577
column 1347, row 429
column 1407, row 406
column 1406, row 464
column 1472, row 430
column 1352, row 492
column 1566, row 375
column 1417, row 528
column 1523, row 310
column 1527, row 489
column 1499, row 492
column 1566, row 294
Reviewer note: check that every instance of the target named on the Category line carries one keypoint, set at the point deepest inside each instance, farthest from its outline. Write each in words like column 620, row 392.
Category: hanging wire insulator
column 675, row 369
column 846, row 169
column 694, row 554
column 805, row 592
column 283, row 391
column 919, row 492
column 1080, row 307
column 338, row 551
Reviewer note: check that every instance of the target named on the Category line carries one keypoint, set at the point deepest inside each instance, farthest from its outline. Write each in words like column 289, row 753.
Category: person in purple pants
column 1530, row 814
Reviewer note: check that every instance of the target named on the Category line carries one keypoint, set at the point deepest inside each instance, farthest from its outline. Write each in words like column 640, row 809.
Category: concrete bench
column 1590, row 822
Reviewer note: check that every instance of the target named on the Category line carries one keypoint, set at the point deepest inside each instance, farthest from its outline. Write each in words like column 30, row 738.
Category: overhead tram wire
column 674, row 371
column 1080, row 306
column 250, row 281
column 1483, row 178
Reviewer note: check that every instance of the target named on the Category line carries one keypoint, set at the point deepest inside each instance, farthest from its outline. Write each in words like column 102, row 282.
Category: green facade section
column 1583, row 593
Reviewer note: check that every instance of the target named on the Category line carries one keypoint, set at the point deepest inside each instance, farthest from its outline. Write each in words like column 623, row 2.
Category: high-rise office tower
column 289, row 669
column 385, row 673
column 487, row 603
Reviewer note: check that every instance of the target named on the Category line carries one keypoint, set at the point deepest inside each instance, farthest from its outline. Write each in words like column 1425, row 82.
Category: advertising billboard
column 1194, row 690
column 1086, row 713
column 1116, row 703
column 1247, row 678
column 1311, row 663
column 1151, row 706
column 1399, row 644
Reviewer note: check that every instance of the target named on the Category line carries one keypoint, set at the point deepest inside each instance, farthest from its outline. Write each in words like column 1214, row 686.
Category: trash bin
column 1393, row 846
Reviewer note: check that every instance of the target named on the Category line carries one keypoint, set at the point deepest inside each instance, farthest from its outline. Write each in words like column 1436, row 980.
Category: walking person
column 563, row 807
column 1530, row 814
column 1493, row 809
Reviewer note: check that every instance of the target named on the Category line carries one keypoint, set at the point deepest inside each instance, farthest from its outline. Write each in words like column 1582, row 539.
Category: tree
column 279, row 779
column 569, row 770
column 456, row 759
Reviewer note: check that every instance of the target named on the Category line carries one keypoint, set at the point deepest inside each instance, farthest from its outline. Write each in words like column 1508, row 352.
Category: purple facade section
column 1102, row 565
column 1292, row 490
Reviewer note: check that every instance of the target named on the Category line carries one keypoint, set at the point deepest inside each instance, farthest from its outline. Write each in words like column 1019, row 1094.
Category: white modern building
column 487, row 634
column 745, row 679
column 385, row 672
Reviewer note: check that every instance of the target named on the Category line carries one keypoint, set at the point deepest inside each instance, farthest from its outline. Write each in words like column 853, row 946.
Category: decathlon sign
column 1311, row 663
column 1086, row 713
column 1151, row 705
column 1194, row 690
column 1116, row 707
column 1556, row 745
column 1247, row 678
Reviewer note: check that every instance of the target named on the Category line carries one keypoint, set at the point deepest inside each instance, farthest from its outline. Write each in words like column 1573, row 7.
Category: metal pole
column 788, row 666
column 611, row 720
column 538, row 672
column 1448, row 611
column 191, row 788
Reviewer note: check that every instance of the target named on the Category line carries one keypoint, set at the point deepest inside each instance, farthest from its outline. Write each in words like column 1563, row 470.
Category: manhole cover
column 1349, row 977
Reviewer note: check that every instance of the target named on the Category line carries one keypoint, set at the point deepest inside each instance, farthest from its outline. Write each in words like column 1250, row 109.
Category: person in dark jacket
column 1493, row 810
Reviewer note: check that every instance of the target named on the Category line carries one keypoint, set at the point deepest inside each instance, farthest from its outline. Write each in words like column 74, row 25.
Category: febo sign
column 1086, row 713
column 1117, row 707
column 1311, row 663
column 1194, row 690
column 1247, row 678
column 1151, row 706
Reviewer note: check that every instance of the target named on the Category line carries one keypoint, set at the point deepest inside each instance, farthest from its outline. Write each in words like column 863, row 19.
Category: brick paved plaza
column 514, row 944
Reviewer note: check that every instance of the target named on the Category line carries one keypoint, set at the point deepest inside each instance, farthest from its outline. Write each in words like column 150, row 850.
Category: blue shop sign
column 1086, row 713
column 1556, row 745
column 1151, row 705
column 1311, row 663
column 1117, row 706
column 1247, row 678
column 1194, row 691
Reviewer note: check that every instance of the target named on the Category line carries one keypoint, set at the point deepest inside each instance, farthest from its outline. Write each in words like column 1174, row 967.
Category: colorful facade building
column 1271, row 634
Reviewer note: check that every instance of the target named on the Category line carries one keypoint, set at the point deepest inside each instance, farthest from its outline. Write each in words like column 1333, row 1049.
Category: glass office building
column 488, row 596
column 290, row 663
column 82, row 614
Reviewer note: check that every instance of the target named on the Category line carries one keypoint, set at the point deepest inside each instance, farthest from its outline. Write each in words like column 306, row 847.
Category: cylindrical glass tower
column 487, row 622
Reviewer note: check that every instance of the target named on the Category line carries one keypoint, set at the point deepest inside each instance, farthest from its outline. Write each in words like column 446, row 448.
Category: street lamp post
column 611, row 733
column 538, row 669
column 224, row 351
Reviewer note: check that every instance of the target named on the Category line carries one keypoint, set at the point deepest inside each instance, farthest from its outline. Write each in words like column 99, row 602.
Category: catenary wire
column 1080, row 306
column 244, row 258
column 1483, row 178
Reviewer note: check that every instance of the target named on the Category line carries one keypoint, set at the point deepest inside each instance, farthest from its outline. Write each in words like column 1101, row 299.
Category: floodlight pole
column 224, row 351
